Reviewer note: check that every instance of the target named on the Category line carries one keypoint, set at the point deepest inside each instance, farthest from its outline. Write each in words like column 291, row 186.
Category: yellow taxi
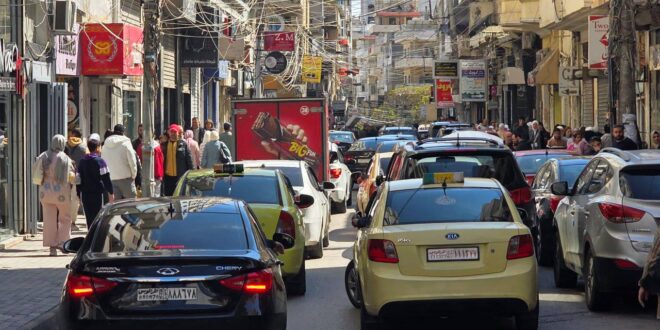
column 443, row 245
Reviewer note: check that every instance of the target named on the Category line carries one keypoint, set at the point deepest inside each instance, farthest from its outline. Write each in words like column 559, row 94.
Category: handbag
column 38, row 172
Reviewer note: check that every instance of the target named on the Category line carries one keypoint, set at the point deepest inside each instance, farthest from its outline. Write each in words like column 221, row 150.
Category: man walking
column 227, row 137
column 122, row 163
column 620, row 141
column 198, row 132
column 178, row 160
column 76, row 151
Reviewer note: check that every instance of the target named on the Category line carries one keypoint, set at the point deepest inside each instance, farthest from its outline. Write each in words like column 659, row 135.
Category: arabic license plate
column 363, row 161
column 163, row 294
column 453, row 254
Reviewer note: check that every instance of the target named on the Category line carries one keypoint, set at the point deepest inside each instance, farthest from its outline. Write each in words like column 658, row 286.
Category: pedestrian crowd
column 91, row 173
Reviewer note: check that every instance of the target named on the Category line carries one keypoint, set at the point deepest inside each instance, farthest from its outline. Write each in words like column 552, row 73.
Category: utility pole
column 622, row 48
column 150, row 88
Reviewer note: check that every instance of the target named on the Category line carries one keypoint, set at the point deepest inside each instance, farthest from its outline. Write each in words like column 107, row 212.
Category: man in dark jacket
column 620, row 141
column 74, row 146
column 523, row 142
column 177, row 159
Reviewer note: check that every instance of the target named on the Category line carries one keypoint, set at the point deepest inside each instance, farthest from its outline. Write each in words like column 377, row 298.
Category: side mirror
column 379, row 179
column 523, row 214
column 328, row 185
column 286, row 240
column 73, row 245
column 304, row 201
column 560, row 188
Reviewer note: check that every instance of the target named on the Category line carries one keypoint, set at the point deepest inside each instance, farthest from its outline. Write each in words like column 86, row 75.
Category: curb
column 42, row 322
column 12, row 241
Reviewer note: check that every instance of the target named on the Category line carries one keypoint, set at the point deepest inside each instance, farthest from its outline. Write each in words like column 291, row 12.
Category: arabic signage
column 199, row 52
column 311, row 69
column 111, row 50
column 66, row 53
column 599, row 26
column 473, row 83
column 279, row 41
column 10, row 65
column 568, row 86
column 446, row 69
column 443, row 98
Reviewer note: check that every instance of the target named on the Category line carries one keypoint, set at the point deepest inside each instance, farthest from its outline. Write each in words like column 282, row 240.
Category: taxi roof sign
column 443, row 177
column 228, row 168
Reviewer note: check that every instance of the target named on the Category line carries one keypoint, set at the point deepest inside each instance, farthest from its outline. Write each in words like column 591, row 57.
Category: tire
column 595, row 298
column 368, row 322
column 297, row 285
column 564, row 277
column 529, row 320
column 352, row 285
column 546, row 249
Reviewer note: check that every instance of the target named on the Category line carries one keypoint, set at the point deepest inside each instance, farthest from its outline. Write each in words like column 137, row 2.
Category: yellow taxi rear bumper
column 385, row 291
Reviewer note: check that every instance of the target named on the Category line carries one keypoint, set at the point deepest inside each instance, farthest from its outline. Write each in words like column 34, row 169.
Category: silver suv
column 605, row 224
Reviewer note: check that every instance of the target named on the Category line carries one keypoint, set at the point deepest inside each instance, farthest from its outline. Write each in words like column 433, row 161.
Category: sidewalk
column 31, row 281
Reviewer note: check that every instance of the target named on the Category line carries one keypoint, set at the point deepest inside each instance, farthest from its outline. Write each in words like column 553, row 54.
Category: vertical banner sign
column 599, row 26
column 311, row 69
column 223, row 69
column 473, row 81
column 443, row 98
column 279, row 41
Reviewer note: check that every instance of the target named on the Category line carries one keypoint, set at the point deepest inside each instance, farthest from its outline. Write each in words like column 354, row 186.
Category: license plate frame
column 363, row 160
column 166, row 294
column 460, row 254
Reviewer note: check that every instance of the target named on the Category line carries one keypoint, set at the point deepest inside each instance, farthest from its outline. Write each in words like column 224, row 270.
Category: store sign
column 66, row 53
column 568, row 86
column 599, row 26
column 279, row 41
column 473, row 83
column 446, row 69
column 443, row 97
column 199, row 52
column 223, row 69
column 111, row 50
column 10, row 72
column 311, row 69
column 275, row 62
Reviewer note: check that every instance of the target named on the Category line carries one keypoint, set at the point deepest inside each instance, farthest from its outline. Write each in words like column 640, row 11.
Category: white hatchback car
column 340, row 176
column 304, row 181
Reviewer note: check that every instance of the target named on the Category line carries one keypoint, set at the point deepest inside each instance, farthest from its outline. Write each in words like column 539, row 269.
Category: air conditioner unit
column 64, row 17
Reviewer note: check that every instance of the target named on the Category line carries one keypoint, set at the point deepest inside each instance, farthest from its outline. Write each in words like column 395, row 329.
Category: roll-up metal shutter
column 168, row 68
column 603, row 101
column 587, row 116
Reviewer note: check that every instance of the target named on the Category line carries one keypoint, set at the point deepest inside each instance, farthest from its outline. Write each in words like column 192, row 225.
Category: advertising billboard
column 473, row 82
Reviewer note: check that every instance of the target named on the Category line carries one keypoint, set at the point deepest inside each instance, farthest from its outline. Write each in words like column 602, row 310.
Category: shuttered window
column 168, row 68
column 603, row 101
column 587, row 116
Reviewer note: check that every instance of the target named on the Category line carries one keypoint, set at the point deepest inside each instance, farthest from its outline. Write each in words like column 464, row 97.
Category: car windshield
column 237, row 187
column 389, row 146
column 530, row 164
column 165, row 231
column 640, row 182
column 398, row 130
column 569, row 173
column 500, row 166
column 450, row 205
column 341, row 137
column 292, row 173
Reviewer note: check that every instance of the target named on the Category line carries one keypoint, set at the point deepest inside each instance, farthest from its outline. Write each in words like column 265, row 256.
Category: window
column 569, row 173
column 238, row 187
column 541, row 178
column 312, row 178
column 292, row 173
column 640, row 182
column 585, row 178
column 392, row 21
column 602, row 175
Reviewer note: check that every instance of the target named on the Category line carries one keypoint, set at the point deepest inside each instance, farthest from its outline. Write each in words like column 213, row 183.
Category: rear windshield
column 362, row 145
column 451, row 205
column 292, row 173
column 569, row 173
column 640, row 183
column 530, row 164
column 237, row 187
column 162, row 231
column 341, row 137
column 389, row 145
column 393, row 131
column 500, row 166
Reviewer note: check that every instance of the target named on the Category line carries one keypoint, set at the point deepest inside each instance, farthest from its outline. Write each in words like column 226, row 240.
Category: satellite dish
column 275, row 23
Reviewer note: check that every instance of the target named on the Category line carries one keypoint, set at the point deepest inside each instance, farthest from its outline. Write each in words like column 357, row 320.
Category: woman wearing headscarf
column 93, row 180
column 54, row 173
column 194, row 148
column 215, row 151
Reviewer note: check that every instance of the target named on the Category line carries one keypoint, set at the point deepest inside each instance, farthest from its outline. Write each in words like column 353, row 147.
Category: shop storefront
column 654, row 80
column 67, row 70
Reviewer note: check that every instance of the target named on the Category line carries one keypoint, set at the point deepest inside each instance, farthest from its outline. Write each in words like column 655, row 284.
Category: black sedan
column 359, row 154
column 175, row 263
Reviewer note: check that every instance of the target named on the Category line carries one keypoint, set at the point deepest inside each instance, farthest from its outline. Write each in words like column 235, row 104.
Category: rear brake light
column 521, row 246
column 382, row 250
column 521, row 196
column 335, row 173
column 286, row 224
column 554, row 202
column 624, row 264
column 348, row 157
column 80, row 286
column 618, row 213
column 530, row 179
column 253, row 283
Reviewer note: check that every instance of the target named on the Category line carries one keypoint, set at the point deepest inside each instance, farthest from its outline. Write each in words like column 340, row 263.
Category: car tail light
column 253, row 283
column 382, row 250
column 624, row 264
column 618, row 213
column 521, row 246
column 530, row 179
column 348, row 157
column 554, row 202
column 521, row 196
column 286, row 224
column 80, row 286
column 335, row 173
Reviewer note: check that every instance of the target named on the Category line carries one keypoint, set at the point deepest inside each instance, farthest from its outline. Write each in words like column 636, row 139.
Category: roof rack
column 626, row 156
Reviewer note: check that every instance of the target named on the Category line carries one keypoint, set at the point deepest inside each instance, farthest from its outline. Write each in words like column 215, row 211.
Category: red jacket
column 159, row 170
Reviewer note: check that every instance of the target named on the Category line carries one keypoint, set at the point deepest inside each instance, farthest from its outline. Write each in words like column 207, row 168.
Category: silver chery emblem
column 168, row 271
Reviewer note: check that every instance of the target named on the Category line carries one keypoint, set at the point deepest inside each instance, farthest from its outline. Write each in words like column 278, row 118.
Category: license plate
column 164, row 294
column 453, row 254
column 363, row 161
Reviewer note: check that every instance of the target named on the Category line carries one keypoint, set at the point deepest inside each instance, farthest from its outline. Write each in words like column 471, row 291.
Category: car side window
column 602, row 174
column 259, row 235
column 312, row 178
column 538, row 181
column 390, row 168
column 552, row 178
column 583, row 180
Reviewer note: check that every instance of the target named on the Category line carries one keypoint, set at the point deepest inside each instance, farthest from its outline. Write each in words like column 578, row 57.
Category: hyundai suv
column 606, row 222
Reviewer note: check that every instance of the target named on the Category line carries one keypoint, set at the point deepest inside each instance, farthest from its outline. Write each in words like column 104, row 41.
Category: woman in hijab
column 194, row 148
column 215, row 151
column 93, row 180
column 57, row 175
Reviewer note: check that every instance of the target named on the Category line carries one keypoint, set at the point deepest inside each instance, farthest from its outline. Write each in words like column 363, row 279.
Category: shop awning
column 547, row 72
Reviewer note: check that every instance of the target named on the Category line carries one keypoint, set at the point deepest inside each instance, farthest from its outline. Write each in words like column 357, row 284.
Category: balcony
column 569, row 14
column 414, row 62
column 519, row 15
column 379, row 28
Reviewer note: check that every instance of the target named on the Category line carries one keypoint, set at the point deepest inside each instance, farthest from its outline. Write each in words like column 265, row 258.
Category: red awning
column 398, row 14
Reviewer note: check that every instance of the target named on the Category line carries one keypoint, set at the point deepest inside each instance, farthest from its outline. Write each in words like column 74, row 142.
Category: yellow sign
column 311, row 69
column 443, row 177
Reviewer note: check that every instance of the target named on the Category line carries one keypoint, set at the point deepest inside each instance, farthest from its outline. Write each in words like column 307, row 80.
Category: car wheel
column 564, row 277
column 316, row 251
column 339, row 208
column 297, row 285
column 546, row 249
column 368, row 322
column 529, row 320
column 352, row 284
column 596, row 299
